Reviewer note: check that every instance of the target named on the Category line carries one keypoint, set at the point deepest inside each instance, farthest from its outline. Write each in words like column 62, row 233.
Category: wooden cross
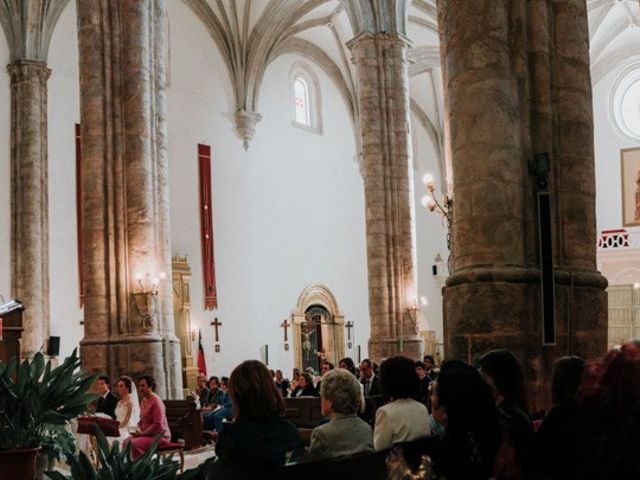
column 216, row 324
column 286, row 326
column 349, row 326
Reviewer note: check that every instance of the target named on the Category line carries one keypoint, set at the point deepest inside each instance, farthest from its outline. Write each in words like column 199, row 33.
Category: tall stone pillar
column 29, row 199
column 383, row 102
column 129, row 325
column 517, row 83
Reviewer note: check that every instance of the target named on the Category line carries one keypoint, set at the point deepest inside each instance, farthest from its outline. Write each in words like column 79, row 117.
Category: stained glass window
column 301, row 101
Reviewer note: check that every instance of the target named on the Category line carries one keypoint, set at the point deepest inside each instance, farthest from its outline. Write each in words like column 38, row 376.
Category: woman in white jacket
column 403, row 419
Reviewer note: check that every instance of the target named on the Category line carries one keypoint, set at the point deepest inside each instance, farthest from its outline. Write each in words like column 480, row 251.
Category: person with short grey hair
column 345, row 434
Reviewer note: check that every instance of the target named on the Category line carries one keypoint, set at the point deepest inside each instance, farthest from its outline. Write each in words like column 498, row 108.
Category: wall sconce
column 444, row 208
column 417, row 305
column 430, row 200
column 145, row 299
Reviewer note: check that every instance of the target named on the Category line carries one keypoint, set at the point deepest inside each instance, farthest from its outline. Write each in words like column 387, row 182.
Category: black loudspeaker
column 53, row 349
column 434, row 269
column 547, row 279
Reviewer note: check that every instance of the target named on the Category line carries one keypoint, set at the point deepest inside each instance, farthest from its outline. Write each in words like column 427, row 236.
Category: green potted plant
column 116, row 464
column 34, row 397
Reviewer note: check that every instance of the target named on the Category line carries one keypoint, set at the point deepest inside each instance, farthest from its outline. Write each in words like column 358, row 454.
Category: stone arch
column 318, row 294
column 619, row 279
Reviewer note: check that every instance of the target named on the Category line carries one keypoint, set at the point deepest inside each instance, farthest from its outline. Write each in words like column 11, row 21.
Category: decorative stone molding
column 246, row 125
column 28, row 26
column 317, row 295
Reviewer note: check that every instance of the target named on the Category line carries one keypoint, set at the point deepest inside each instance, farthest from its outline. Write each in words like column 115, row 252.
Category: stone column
column 129, row 327
column 29, row 199
column 516, row 76
column 383, row 101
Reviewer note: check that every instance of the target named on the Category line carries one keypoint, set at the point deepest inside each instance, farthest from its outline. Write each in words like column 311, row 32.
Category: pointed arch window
column 301, row 101
column 305, row 98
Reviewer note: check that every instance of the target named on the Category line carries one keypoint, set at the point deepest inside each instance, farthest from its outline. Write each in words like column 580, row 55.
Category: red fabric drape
column 206, row 227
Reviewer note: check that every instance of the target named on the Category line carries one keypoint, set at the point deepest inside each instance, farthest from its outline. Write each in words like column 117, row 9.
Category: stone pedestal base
column 136, row 356
column 480, row 315
column 410, row 346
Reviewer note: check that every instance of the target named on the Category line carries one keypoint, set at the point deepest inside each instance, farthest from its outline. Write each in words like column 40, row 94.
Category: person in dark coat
column 107, row 401
column 556, row 441
column 305, row 387
column 370, row 381
column 260, row 439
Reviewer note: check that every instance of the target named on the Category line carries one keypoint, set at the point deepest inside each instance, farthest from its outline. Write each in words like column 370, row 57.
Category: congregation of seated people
column 460, row 421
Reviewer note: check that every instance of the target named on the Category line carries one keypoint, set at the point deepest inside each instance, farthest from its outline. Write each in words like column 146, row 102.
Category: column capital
column 387, row 39
column 21, row 70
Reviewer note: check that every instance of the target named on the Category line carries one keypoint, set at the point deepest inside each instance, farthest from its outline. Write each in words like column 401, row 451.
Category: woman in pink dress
column 153, row 420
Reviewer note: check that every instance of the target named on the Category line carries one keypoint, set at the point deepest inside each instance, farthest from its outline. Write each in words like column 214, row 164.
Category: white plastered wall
column 288, row 213
column 64, row 113
column 5, row 171
column 608, row 143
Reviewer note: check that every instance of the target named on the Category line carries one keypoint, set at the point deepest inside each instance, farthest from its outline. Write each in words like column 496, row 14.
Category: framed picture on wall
column 630, row 167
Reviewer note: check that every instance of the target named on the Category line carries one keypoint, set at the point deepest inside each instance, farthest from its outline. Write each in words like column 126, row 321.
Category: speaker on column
column 53, row 348
column 547, row 279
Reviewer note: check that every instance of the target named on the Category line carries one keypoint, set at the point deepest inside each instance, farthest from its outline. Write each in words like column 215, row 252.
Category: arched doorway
column 318, row 328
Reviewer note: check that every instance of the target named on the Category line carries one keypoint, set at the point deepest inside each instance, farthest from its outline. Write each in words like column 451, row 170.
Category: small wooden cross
column 286, row 326
column 216, row 324
column 349, row 326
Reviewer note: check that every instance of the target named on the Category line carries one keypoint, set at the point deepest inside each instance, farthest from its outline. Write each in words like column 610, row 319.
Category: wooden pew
column 371, row 407
column 305, row 413
column 368, row 466
column 185, row 422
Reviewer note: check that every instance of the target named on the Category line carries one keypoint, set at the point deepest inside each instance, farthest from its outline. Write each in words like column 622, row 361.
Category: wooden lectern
column 10, row 330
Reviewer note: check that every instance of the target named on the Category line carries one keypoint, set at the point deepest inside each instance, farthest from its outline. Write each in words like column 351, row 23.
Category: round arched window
column 626, row 103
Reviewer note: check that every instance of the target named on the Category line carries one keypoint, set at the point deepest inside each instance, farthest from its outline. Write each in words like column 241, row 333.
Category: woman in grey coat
column 346, row 434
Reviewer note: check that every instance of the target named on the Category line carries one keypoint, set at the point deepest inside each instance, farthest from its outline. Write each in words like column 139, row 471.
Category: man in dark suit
column 107, row 401
column 370, row 381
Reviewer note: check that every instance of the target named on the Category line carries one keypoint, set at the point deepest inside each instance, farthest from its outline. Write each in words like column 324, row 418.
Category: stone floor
column 195, row 457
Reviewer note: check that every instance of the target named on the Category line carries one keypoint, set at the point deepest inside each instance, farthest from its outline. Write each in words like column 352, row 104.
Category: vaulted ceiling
column 614, row 33
column 252, row 33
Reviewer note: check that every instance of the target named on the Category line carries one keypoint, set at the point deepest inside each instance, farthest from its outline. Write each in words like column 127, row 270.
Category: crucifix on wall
column 216, row 323
column 349, row 326
column 286, row 326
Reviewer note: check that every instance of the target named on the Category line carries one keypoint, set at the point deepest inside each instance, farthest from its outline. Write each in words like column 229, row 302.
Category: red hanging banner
column 79, row 211
column 206, row 228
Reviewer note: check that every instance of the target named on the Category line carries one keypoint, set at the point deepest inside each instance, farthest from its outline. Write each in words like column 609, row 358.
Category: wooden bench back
column 304, row 412
column 369, row 466
column 185, row 422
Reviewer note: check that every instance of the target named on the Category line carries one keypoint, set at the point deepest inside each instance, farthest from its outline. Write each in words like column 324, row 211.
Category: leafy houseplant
column 34, row 398
column 116, row 464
